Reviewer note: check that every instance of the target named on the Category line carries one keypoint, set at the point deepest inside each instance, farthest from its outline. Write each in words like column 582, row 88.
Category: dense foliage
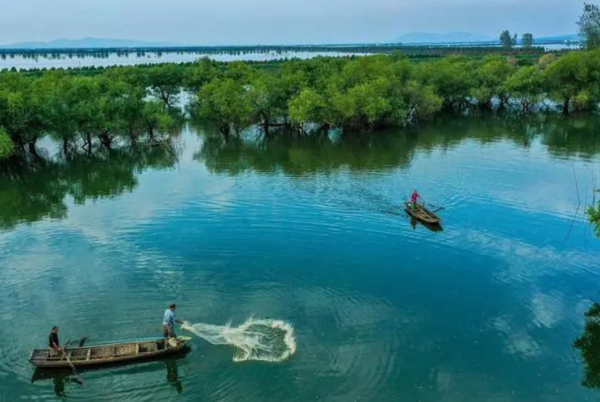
column 589, row 346
column 507, row 40
column 6, row 145
column 144, row 103
column 593, row 213
column 589, row 26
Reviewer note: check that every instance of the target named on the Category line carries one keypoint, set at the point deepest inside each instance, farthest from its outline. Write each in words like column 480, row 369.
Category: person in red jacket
column 413, row 199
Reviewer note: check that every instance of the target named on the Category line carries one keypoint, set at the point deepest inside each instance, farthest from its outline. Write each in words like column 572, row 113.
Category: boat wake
column 259, row 340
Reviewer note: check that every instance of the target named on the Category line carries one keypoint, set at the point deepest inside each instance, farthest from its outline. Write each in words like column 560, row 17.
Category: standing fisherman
column 413, row 199
column 54, row 348
column 169, row 321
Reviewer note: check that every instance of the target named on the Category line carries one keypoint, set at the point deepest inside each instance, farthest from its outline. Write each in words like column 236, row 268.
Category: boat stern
column 182, row 342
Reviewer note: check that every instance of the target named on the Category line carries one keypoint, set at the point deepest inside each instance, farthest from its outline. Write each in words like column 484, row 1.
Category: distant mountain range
column 424, row 37
column 465, row 37
column 409, row 38
column 559, row 38
column 86, row 43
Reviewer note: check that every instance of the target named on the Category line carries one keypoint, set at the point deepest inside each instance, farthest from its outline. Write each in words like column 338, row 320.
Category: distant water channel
column 311, row 230
column 71, row 60
column 132, row 58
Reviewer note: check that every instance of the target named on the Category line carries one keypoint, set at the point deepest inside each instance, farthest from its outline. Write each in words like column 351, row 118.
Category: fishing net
column 260, row 340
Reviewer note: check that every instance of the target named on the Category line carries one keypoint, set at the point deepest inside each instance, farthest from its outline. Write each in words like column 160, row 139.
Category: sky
column 217, row 22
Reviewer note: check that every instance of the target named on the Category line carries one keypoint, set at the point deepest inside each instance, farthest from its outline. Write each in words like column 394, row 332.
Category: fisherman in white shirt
column 169, row 324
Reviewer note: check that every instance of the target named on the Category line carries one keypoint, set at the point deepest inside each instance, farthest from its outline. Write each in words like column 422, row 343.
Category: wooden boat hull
column 98, row 355
column 434, row 227
column 423, row 214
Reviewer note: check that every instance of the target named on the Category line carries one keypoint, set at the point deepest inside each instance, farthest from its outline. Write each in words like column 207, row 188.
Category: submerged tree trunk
column 106, row 140
column 166, row 98
column 65, row 146
column 565, row 108
column 18, row 141
column 133, row 134
column 33, row 150
column 486, row 105
column 88, row 143
column 225, row 129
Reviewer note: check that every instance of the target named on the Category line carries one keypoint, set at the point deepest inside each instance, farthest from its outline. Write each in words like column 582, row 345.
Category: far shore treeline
column 364, row 93
column 90, row 109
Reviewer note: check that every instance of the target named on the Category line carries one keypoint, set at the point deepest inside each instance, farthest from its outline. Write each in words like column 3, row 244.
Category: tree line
column 359, row 94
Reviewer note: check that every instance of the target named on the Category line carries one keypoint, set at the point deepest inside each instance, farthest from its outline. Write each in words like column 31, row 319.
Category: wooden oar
column 435, row 206
column 72, row 367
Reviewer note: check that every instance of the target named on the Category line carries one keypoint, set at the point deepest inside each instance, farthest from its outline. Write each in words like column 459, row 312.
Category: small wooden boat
column 421, row 213
column 98, row 355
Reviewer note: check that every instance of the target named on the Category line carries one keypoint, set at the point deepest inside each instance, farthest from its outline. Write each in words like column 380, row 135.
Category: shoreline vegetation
column 364, row 93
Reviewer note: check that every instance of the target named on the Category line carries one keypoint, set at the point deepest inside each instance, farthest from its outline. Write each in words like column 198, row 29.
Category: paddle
column 434, row 206
column 66, row 355
column 423, row 203
column 73, row 367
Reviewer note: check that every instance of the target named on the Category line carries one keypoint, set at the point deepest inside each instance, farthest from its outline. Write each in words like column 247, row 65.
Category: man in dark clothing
column 54, row 348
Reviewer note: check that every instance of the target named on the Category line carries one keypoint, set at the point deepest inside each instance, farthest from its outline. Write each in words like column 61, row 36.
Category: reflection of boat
column 422, row 214
column 100, row 355
column 143, row 366
column 434, row 227
column 61, row 377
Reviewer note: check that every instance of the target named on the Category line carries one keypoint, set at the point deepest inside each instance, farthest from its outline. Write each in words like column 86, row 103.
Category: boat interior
column 104, row 352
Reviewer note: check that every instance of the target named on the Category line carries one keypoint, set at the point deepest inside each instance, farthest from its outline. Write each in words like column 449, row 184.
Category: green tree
column 507, row 41
column 202, row 72
column 527, row 86
column 588, row 345
column 267, row 97
column 593, row 213
column 22, row 110
column 61, row 125
column 490, row 77
column 527, row 40
column 308, row 106
column 226, row 104
column 451, row 77
column 155, row 122
column 422, row 101
column 589, row 26
column 6, row 145
column 165, row 82
column 574, row 79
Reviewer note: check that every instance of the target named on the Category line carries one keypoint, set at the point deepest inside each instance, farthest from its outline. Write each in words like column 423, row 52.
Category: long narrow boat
column 421, row 213
column 98, row 355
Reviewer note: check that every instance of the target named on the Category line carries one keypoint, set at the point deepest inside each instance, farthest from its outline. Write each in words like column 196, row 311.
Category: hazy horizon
column 276, row 21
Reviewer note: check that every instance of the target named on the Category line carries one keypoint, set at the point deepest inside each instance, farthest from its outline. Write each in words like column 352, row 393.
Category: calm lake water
column 310, row 230
column 65, row 61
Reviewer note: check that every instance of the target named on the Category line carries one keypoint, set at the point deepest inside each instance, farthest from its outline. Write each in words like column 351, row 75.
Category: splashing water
column 261, row 340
